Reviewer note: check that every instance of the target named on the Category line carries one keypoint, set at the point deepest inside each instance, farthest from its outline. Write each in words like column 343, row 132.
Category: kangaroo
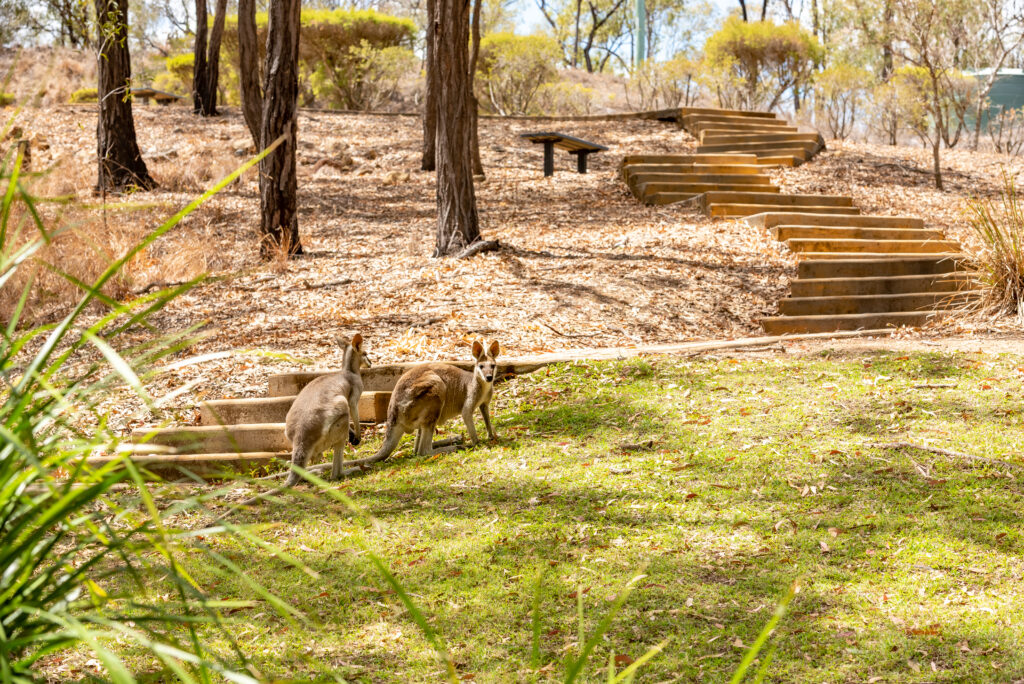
column 432, row 394
column 325, row 415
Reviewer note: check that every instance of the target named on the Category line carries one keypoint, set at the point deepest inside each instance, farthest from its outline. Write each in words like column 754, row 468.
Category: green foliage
column 178, row 75
column 512, row 69
column 6, row 99
column 839, row 95
column 86, row 566
column 934, row 106
column 339, row 64
column 1001, row 260
column 84, row 95
column 564, row 98
column 753, row 64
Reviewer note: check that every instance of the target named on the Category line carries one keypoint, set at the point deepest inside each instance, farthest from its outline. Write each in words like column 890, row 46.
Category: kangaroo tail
column 392, row 436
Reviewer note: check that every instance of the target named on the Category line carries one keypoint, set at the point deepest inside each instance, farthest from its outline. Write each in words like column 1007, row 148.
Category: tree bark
column 429, row 162
column 279, row 226
column 458, row 224
column 474, row 106
column 936, row 144
column 199, row 70
column 249, row 71
column 120, row 161
column 206, row 71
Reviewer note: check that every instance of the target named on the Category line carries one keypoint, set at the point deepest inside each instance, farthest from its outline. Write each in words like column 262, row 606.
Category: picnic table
column 580, row 148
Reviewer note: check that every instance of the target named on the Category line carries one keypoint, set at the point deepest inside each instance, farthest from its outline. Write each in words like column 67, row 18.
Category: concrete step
column 216, row 439
column 779, row 218
column 743, row 210
column 885, row 285
column 872, row 246
column 647, row 189
column 783, row 325
column 708, row 138
column 179, row 466
column 631, row 159
column 782, row 200
column 789, row 147
column 884, row 303
column 783, row 233
column 878, row 268
column 373, row 408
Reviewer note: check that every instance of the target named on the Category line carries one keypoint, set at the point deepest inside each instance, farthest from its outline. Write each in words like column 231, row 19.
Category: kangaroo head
column 486, row 366
column 355, row 355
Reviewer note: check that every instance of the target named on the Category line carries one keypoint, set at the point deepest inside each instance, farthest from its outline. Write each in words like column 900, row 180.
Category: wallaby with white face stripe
column 431, row 394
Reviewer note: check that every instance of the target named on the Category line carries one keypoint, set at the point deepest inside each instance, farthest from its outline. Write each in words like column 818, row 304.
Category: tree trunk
column 474, row 106
column 743, row 10
column 199, row 70
column 206, row 71
column 764, row 10
column 279, row 226
column 457, row 221
column 120, row 162
column 936, row 145
column 430, row 98
column 249, row 71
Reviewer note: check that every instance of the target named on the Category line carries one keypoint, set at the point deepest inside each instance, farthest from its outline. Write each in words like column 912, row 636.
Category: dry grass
column 1000, row 228
column 46, row 76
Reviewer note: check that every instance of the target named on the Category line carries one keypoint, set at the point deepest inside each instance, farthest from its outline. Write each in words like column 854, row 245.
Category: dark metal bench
column 580, row 148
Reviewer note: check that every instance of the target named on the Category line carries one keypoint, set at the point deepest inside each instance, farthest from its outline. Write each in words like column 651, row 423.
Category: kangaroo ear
column 342, row 340
column 478, row 349
column 357, row 342
column 494, row 349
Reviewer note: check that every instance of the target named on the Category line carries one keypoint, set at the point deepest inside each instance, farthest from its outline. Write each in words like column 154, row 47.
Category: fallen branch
column 940, row 386
column 951, row 454
column 479, row 246
column 307, row 286
column 158, row 285
column 569, row 335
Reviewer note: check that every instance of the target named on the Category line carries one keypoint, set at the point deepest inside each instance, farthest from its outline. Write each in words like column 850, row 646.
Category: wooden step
column 786, row 138
column 753, row 126
column 757, row 170
column 821, row 287
column 778, row 218
column 793, row 325
column 788, row 160
column 872, row 246
column 632, row 159
column 784, row 232
column 725, row 178
column 711, row 112
column 179, row 466
column 877, row 268
column 789, row 147
column 216, row 439
column 744, row 210
column 782, row 200
column 892, row 256
column 662, row 198
column 877, row 303
column 646, row 189
column 373, row 408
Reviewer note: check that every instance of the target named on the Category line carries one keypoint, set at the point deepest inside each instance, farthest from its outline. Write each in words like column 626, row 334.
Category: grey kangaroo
column 431, row 394
column 325, row 415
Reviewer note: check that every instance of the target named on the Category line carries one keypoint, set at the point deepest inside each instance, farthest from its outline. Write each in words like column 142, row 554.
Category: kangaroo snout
column 353, row 438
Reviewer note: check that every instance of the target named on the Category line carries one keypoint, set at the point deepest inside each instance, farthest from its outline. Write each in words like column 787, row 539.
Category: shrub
column 839, row 93
column 6, row 99
column 664, row 85
column 755, row 63
column 84, row 95
column 564, row 99
column 336, row 55
column 913, row 103
column 512, row 69
column 1006, row 130
column 1001, row 259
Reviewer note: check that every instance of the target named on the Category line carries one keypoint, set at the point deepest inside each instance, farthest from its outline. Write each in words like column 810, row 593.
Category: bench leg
column 581, row 161
column 549, row 159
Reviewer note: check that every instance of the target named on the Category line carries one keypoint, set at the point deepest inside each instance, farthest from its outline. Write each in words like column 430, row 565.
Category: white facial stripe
column 480, row 372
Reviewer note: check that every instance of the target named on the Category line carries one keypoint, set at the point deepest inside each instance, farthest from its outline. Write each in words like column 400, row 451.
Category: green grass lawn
column 761, row 472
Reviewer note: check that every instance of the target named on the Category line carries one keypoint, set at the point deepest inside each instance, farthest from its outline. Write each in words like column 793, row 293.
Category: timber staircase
column 854, row 271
